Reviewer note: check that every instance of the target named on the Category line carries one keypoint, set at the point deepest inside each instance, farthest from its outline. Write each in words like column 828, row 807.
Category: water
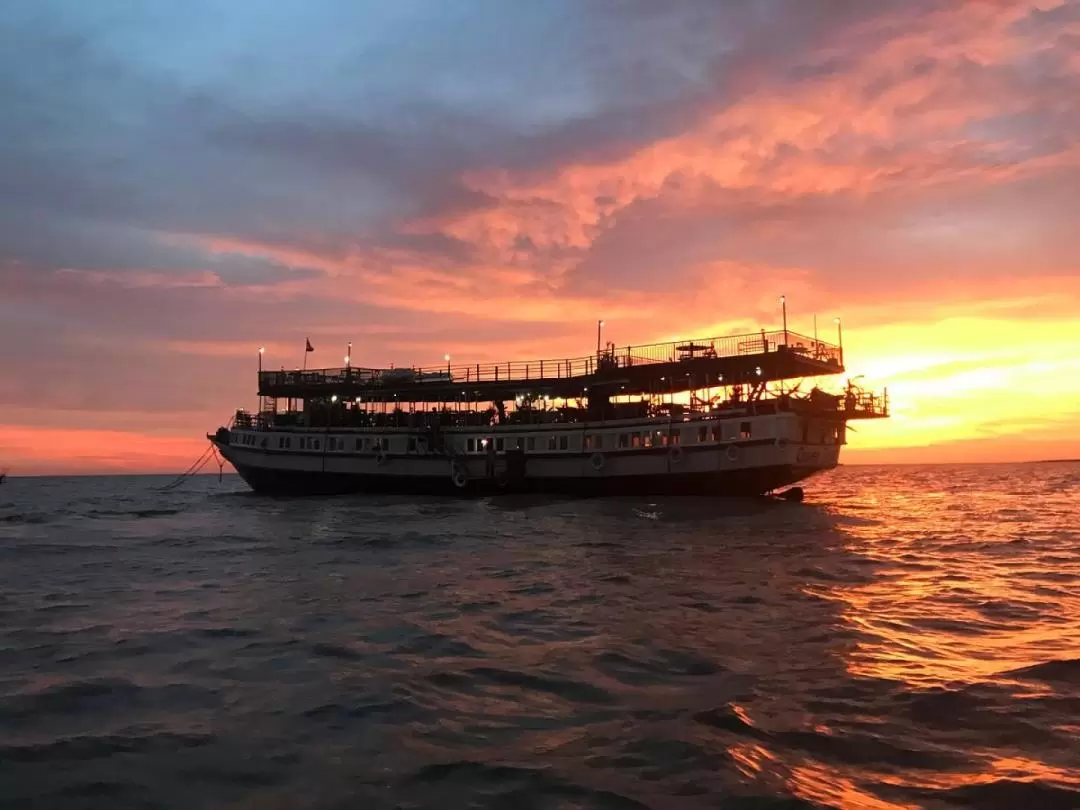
column 909, row 637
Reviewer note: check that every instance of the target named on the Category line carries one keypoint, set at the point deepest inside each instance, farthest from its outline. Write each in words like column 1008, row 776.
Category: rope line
column 198, row 464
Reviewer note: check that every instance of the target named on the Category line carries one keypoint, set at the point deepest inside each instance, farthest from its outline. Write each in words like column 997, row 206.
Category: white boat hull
column 735, row 466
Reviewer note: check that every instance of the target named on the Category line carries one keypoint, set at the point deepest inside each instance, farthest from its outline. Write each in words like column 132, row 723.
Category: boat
column 714, row 416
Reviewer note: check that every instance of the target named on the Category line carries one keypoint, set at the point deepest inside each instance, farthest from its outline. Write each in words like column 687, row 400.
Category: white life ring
column 676, row 454
column 459, row 476
column 380, row 457
column 597, row 460
column 732, row 453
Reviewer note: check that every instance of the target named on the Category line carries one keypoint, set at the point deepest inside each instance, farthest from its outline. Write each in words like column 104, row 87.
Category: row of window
column 554, row 442
column 602, row 441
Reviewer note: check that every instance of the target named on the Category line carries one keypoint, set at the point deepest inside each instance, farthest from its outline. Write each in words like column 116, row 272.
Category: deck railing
column 856, row 404
column 561, row 368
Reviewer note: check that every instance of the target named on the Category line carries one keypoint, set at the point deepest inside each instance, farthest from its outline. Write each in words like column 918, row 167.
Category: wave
column 516, row 786
column 97, row 514
column 100, row 746
column 1060, row 670
column 570, row 690
column 1007, row 794
column 26, row 518
column 98, row 696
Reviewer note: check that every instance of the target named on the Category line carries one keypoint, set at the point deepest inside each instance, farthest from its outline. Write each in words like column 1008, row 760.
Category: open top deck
column 660, row 367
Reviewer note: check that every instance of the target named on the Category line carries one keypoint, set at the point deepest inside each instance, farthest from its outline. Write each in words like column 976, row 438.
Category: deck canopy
column 632, row 370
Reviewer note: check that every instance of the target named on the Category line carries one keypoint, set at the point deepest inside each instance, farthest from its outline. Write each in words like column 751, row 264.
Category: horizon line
column 10, row 476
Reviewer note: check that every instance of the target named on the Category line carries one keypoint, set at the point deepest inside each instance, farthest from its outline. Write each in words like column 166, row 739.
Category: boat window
column 661, row 438
column 553, row 443
column 717, row 432
column 519, row 443
column 564, row 442
column 586, row 443
column 676, row 437
column 499, row 444
column 412, row 444
column 318, row 444
column 744, row 430
column 703, row 434
column 532, row 442
column 331, row 443
column 635, row 440
column 598, row 441
column 359, row 445
column 646, row 440
column 624, row 440
column 470, row 447
column 385, row 443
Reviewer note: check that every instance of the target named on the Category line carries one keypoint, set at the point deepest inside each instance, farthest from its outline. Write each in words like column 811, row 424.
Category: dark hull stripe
column 754, row 481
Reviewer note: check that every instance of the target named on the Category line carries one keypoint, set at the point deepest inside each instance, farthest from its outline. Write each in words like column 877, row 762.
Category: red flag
column 308, row 347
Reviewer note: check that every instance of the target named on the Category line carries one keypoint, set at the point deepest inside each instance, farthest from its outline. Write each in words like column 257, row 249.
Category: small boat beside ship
column 711, row 416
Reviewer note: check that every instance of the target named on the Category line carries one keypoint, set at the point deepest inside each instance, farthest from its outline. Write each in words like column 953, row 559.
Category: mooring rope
column 209, row 453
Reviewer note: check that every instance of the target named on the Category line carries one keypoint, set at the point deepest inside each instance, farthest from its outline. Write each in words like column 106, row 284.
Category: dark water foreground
column 910, row 637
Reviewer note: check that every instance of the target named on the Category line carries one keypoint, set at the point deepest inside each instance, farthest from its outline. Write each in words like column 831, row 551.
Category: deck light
column 333, row 398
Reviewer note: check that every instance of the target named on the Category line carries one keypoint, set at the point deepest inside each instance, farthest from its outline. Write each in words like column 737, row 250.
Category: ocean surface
column 907, row 637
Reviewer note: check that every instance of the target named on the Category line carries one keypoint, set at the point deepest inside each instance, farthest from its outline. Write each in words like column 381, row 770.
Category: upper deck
column 660, row 367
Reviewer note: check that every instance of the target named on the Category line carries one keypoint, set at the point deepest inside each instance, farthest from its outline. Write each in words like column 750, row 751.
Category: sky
column 181, row 183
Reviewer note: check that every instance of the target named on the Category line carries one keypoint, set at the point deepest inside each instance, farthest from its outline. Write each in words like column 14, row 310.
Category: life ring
column 460, row 477
column 732, row 453
column 676, row 454
column 597, row 460
column 380, row 457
